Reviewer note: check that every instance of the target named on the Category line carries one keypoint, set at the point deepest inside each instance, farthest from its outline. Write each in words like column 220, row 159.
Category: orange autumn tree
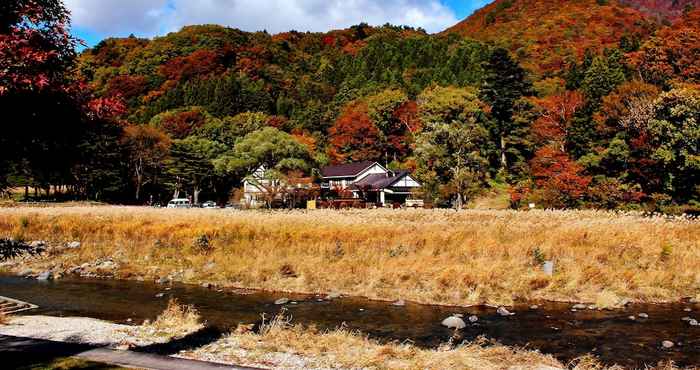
column 354, row 137
column 559, row 181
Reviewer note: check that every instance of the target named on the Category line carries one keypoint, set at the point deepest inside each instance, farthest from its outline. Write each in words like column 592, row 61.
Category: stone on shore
column 282, row 301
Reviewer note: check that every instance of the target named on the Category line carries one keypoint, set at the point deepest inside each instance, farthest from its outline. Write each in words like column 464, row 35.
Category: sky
column 94, row 20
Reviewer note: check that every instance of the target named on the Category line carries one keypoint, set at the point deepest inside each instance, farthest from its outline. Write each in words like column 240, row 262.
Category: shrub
column 202, row 244
column 177, row 320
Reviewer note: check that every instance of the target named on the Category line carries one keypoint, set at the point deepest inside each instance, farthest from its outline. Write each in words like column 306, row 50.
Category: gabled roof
column 380, row 181
column 346, row 170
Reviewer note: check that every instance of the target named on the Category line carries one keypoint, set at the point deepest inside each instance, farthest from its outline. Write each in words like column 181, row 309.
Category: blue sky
column 93, row 20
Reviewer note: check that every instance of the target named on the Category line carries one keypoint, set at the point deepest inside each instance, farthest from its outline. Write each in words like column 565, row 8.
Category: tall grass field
column 427, row 256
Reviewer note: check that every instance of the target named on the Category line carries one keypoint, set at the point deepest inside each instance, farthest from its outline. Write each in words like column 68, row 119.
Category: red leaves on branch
column 34, row 45
column 106, row 108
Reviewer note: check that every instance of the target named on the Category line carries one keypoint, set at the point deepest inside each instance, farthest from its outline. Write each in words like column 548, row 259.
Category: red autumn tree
column 559, row 181
column 199, row 63
column 180, row 124
column 555, row 118
column 127, row 86
column 35, row 46
column 354, row 137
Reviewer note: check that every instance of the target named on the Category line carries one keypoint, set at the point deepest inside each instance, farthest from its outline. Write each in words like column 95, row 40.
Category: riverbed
column 553, row 328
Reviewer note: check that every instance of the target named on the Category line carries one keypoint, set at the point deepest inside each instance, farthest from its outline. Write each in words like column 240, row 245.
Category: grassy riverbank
column 429, row 256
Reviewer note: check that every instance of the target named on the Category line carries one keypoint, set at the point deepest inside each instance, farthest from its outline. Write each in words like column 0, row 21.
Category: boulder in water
column 504, row 311
column 282, row 301
column 454, row 322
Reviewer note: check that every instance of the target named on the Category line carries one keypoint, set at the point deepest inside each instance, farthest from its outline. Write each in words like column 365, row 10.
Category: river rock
column 107, row 265
column 282, row 301
column 162, row 280
column 548, row 268
column 333, row 296
column 160, row 295
column 688, row 310
column 46, row 275
column 25, row 272
column 667, row 344
column 37, row 244
column 399, row 303
column 686, row 318
column 534, row 307
column 632, row 318
column 694, row 301
column 473, row 319
column 453, row 322
column 579, row 306
column 206, row 285
column 504, row 311
column 643, row 315
column 693, row 322
column 73, row 245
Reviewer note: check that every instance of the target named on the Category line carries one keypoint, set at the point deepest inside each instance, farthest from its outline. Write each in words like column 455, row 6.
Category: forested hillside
column 578, row 103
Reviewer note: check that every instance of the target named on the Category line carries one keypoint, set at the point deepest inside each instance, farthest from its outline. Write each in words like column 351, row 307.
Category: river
column 552, row 328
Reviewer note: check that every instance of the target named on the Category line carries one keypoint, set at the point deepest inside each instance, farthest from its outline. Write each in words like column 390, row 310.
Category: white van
column 180, row 203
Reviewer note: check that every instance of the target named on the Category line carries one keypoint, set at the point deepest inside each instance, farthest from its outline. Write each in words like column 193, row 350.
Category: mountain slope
column 663, row 9
column 547, row 34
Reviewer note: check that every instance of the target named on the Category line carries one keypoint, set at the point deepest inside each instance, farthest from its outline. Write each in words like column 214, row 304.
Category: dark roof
column 379, row 181
column 346, row 170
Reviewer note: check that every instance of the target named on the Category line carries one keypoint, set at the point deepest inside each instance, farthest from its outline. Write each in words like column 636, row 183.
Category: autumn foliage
column 354, row 137
column 560, row 181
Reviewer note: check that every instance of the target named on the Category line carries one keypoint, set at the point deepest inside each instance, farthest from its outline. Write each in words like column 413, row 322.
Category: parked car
column 415, row 203
column 209, row 205
column 180, row 203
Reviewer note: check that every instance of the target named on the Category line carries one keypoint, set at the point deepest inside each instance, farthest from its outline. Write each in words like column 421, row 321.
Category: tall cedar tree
column 504, row 84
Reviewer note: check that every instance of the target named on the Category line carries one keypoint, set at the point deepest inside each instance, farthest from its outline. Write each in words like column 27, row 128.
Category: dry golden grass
column 279, row 344
column 175, row 322
column 4, row 319
column 430, row 256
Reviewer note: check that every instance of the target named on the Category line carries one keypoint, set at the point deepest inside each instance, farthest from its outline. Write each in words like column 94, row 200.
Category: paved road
column 20, row 352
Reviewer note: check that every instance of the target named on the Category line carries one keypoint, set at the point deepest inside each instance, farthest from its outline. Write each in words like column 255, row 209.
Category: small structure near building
column 261, row 189
column 371, row 182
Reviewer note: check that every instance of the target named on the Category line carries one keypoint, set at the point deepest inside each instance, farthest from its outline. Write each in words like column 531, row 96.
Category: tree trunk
column 139, row 179
column 504, row 159
column 459, row 201
column 197, row 190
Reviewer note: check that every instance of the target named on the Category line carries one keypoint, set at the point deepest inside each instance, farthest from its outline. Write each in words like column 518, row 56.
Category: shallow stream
column 552, row 328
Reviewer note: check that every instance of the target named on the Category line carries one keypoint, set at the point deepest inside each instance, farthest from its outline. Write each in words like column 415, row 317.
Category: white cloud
column 117, row 16
column 151, row 17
